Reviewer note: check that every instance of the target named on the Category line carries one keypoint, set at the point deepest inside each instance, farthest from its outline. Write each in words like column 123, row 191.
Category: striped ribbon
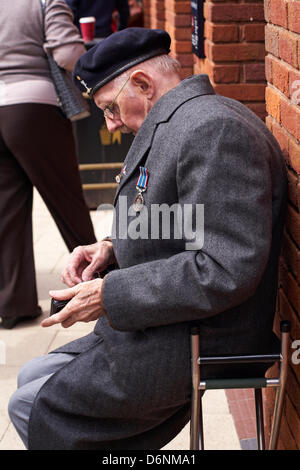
column 143, row 179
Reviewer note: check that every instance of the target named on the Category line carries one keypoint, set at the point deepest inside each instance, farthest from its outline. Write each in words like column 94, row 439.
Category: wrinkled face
column 124, row 107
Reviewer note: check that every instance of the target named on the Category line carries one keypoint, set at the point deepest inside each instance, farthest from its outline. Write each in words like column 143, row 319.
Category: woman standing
column 36, row 146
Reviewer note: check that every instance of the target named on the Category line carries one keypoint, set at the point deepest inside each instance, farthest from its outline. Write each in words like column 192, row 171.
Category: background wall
column 283, row 108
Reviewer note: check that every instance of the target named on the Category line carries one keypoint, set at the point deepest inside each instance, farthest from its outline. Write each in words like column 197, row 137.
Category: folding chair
column 256, row 383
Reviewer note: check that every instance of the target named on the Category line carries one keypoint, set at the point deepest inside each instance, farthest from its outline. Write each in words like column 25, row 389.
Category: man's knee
column 15, row 406
column 42, row 366
column 28, row 372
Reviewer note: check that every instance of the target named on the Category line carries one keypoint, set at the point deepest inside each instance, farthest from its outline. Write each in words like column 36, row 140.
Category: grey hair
column 162, row 63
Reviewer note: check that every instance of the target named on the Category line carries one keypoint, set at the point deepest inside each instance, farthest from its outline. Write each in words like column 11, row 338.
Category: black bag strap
column 43, row 5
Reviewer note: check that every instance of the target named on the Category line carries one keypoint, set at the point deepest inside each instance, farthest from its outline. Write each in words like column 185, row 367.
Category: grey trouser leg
column 31, row 378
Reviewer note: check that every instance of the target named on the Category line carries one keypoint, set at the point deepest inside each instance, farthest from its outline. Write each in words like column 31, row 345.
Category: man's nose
column 112, row 125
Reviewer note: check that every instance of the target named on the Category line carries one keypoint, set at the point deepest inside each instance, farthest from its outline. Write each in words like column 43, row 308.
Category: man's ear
column 144, row 82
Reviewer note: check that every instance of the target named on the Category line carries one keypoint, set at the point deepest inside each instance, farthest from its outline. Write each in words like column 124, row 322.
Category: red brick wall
column 283, row 108
column 178, row 25
column 235, row 51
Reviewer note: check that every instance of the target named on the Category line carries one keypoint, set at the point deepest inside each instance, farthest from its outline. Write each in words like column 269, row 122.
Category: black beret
column 117, row 53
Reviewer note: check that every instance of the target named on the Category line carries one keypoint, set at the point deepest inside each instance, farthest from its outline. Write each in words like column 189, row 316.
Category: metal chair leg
column 278, row 408
column 196, row 429
column 259, row 419
column 196, row 426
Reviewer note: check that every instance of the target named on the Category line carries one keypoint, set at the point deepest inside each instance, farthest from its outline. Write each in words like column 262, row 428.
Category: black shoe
column 10, row 322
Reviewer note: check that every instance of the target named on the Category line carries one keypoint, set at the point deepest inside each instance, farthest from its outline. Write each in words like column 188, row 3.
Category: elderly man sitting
column 219, row 171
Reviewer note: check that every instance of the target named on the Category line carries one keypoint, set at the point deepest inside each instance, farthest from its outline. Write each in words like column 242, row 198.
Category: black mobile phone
column 57, row 305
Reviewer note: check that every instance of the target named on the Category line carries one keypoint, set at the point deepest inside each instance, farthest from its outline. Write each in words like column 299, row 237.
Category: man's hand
column 85, row 304
column 84, row 261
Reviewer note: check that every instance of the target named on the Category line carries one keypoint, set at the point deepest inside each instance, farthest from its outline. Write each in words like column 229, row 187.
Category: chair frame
column 256, row 383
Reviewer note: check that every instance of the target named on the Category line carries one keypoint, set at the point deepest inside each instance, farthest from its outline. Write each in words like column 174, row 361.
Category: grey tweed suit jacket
column 129, row 385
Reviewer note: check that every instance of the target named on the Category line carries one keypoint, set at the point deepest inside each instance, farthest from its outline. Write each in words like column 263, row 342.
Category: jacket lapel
column 139, row 148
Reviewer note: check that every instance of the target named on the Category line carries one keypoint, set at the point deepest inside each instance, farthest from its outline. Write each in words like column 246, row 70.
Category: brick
column 293, row 381
column 199, row 65
column 267, row 10
column 180, row 47
column 268, row 69
column 222, row 73
column 273, row 103
column 286, row 441
column 280, row 76
column 259, row 109
column 186, row 60
column 290, row 118
column 221, row 33
column 288, row 47
column 294, row 154
column 293, row 191
column 290, row 287
column 291, row 256
column 178, row 20
column 269, row 122
column 178, row 34
column 234, row 12
column 293, row 227
column 294, row 86
column 253, row 32
column 272, row 39
column 254, row 72
column 242, row 91
column 178, row 6
column 157, row 15
column 292, row 421
column 278, row 12
column 294, row 16
column 186, row 72
column 282, row 138
column 288, row 313
column 235, row 52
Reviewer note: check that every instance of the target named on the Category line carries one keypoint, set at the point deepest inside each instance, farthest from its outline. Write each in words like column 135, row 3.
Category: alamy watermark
column 296, row 354
column 160, row 221
column 295, row 96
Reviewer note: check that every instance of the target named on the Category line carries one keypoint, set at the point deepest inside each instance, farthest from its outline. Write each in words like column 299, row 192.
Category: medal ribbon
column 142, row 181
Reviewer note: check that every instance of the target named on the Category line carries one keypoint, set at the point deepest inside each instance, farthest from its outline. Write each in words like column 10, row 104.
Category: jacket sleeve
column 123, row 9
column 224, row 166
column 63, row 40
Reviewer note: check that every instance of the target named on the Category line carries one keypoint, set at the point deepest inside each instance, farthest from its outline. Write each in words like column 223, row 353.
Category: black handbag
column 72, row 102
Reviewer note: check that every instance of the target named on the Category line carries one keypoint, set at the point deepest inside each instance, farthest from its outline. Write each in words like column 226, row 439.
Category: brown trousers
column 36, row 149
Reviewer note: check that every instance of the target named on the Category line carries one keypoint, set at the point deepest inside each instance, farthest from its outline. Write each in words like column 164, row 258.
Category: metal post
column 259, row 419
column 278, row 408
column 196, row 427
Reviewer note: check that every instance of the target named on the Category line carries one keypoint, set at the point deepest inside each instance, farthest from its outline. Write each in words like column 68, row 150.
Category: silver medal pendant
column 138, row 202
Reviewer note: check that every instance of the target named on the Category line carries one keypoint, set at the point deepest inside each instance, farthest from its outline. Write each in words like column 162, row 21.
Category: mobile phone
column 57, row 305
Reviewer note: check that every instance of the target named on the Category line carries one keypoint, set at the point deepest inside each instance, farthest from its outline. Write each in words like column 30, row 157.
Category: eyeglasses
column 109, row 111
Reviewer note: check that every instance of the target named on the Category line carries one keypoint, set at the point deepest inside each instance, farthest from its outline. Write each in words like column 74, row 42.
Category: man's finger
column 66, row 279
column 63, row 294
column 88, row 273
column 59, row 317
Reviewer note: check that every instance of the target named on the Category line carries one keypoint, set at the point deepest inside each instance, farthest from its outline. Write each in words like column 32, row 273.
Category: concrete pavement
column 29, row 340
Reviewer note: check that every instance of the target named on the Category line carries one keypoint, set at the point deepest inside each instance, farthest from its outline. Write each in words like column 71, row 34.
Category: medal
column 120, row 175
column 138, row 203
column 141, row 186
